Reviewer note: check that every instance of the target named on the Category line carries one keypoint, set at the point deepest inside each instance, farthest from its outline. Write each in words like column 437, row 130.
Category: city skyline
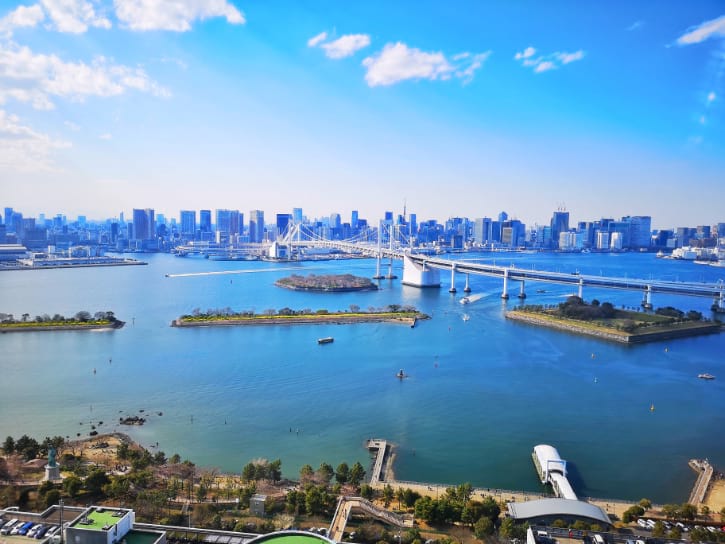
column 461, row 110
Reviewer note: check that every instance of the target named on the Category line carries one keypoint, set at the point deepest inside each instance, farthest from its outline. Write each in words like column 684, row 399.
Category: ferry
column 465, row 300
column 706, row 376
column 326, row 340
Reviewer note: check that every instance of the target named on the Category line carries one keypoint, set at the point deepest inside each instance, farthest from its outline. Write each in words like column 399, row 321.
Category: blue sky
column 457, row 108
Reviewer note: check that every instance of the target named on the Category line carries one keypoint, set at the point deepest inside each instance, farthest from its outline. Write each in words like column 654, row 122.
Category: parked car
column 8, row 526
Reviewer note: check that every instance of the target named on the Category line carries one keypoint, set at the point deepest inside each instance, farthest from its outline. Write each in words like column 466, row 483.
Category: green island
column 329, row 283
column 82, row 320
column 603, row 320
column 393, row 313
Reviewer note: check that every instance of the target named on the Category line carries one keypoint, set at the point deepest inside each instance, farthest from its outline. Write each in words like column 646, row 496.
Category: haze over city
column 459, row 109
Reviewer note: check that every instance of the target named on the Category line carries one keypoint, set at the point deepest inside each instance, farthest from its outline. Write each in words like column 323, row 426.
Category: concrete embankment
column 77, row 327
column 674, row 331
column 335, row 319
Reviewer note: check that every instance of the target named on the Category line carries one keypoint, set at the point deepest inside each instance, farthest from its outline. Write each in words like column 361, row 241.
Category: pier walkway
column 705, row 472
column 382, row 450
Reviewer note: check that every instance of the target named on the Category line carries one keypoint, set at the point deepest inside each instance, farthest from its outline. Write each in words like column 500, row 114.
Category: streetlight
column 60, row 503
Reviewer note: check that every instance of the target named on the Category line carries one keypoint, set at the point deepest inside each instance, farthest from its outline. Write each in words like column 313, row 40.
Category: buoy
column 652, row 407
column 594, row 356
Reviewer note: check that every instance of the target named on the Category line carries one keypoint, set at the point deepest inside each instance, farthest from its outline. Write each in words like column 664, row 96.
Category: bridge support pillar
column 581, row 288
column 390, row 275
column 453, row 279
column 378, row 275
column 467, row 288
column 505, row 294
column 719, row 305
column 647, row 300
column 522, row 293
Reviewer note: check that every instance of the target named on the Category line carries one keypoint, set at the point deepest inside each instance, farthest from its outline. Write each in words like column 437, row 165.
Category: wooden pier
column 705, row 472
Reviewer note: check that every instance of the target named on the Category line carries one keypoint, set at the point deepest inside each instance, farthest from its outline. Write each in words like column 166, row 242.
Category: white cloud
column 704, row 31
column 72, row 126
column 24, row 149
column 525, row 54
column 345, row 46
column 544, row 63
column 635, row 26
column 711, row 97
column 105, row 136
column 398, row 62
column 22, row 16
column 702, row 120
column 177, row 15
column 37, row 78
column 74, row 16
column 316, row 40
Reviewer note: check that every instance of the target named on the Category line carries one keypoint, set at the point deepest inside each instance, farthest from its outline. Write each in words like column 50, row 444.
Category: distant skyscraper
column 335, row 221
column 482, row 230
column 256, row 226
column 559, row 224
column 8, row 217
column 354, row 219
column 640, row 231
column 389, row 217
column 283, row 222
column 188, row 222
column 297, row 215
column 143, row 224
column 205, row 220
column 235, row 222
column 413, row 224
column 503, row 216
column 223, row 218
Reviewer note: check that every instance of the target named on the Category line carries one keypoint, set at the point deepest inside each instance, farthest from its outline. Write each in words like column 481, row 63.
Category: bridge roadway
column 708, row 290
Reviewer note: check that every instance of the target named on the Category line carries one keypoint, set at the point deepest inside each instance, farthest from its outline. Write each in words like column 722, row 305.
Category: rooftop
column 557, row 507
column 99, row 519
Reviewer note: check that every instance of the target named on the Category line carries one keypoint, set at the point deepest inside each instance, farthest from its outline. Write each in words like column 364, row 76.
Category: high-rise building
column 256, row 226
column 223, row 218
column 143, row 224
column 297, row 215
column 354, row 219
column 482, row 230
column 283, row 222
column 8, row 215
column 413, row 224
column 188, row 222
column 236, row 221
column 559, row 224
column 640, row 231
column 205, row 220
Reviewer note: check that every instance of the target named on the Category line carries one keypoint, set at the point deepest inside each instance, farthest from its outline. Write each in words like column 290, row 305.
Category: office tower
column 283, row 222
column 640, row 231
column 223, row 218
column 297, row 215
column 389, row 218
column 235, row 222
column 413, row 224
column 559, row 224
column 503, row 216
column 114, row 232
column 143, row 224
column 335, row 221
column 256, row 226
column 354, row 219
column 8, row 215
column 188, row 222
column 81, row 220
column 205, row 220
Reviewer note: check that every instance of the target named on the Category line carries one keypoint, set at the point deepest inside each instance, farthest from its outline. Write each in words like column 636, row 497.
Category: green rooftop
column 96, row 521
column 141, row 537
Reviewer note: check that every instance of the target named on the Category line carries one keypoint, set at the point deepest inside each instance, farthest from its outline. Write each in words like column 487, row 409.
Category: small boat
column 400, row 375
column 326, row 340
column 541, row 290
column 706, row 376
column 466, row 317
column 465, row 300
column 652, row 407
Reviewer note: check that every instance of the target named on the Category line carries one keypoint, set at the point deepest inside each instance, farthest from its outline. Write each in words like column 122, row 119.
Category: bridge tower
column 505, row 294
column 467, row 288
column 581, row 288
column 647, row 300
column 522, row 293
column 719, row 305
column 390, row 275
column 453, row 279
column 378, row 275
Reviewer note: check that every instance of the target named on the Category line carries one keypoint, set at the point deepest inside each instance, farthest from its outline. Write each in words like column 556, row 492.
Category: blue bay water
column 481, row 392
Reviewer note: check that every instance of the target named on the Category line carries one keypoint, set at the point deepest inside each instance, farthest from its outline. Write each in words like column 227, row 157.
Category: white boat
column 465, row 300
column 466, row 317
column 706, row 376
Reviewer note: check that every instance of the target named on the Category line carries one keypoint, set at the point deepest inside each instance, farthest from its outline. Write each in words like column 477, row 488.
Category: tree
column 483, row 528
column 314, row 500
column 675, row 533
column 249, row 472
column 342, row 474
column 52, row 497
column 27, row 447
column 659, row 529
column 367, row 492
column 275, row 470
column 705, row 510
column 506, row 530
column 357, row 473
column 388, row 495
column 306, row 473
column 175, row 459
column 95, row 481
column 325, row 473
column 671, row 511
column 645, row 503
column 9, row 445
column 688, row 511
column 72, row 485
column 83, row 316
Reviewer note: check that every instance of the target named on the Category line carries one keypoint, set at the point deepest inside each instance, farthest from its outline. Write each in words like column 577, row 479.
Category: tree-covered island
column 605, row 321
column 393, row 313
column 82, row 320
column 329, row 283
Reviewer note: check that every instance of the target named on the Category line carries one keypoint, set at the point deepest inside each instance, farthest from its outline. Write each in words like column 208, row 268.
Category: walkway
column 344, row 508
column 382, row 448
column 705, row 472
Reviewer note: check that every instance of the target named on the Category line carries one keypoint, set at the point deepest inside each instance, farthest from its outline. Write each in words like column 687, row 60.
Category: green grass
column 99, row 520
